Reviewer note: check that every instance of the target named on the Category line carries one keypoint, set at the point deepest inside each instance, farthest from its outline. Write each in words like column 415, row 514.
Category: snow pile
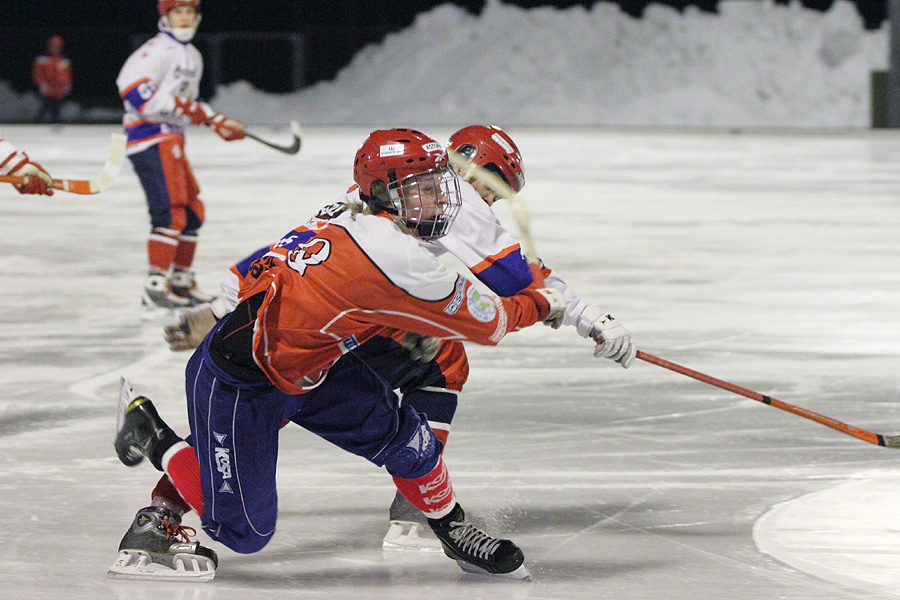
column 756, row 64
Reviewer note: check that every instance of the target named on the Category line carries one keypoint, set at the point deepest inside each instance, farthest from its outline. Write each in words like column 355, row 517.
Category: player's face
column 425, row 197
column 182, row 16
column 488, row 195
column 431, row 201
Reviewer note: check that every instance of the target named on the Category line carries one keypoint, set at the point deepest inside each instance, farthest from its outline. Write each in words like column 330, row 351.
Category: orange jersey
column 53, row 76
column 330, row 285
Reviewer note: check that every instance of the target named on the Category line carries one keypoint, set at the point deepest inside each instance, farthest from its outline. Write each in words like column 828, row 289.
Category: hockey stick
column 888, row 441
column 94, row 185
column 294, row 148
column 522, row 217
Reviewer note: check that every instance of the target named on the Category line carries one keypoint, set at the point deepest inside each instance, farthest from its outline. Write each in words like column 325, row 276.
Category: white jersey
column 491, row 253
column 148, row 83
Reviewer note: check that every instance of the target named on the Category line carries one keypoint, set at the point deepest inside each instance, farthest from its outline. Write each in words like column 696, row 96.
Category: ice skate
column 139, row 428
column 475, row 551
column 409, row 529
column 158, row 547
column 184, row 286
column 158, row 295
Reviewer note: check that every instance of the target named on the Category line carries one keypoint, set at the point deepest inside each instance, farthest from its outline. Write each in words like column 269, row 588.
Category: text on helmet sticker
column 391, row 150
column 502, row 143
column 432, row 147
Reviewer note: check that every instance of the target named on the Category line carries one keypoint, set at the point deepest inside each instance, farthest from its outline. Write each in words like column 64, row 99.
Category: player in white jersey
column 15, row 162
column 431, row 373
column 159, row 85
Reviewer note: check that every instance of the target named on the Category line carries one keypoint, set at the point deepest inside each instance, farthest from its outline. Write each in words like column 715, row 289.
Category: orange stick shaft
column 862, row 434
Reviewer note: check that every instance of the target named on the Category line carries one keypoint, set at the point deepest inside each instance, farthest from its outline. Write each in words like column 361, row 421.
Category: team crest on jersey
column 310, row 254
column 480, row 307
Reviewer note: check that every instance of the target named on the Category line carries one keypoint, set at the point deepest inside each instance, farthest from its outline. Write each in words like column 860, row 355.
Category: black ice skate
column 408, row 530
column 157, row 546
column 184, row 286
column 139, row 429
column 158, row 295
column 475, row 551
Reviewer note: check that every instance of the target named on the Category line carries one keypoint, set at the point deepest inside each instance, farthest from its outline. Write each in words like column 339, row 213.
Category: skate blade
column 406, row 536
column 137, row 564
column 520, row 574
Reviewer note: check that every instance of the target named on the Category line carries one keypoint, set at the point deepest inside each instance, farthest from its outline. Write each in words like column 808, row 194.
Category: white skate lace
column 473, row 541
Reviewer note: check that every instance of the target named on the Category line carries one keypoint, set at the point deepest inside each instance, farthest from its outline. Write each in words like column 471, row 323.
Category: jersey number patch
column 308, row 255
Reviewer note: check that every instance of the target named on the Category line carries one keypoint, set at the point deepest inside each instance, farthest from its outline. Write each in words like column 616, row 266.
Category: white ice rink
column 768, row 260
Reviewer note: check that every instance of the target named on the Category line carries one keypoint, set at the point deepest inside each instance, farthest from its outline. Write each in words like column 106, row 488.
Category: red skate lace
column 176, row 530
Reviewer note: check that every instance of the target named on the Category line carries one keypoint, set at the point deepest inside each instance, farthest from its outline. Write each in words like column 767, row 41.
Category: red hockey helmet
column 406, row 173
column 492, row 149
column 164, row 6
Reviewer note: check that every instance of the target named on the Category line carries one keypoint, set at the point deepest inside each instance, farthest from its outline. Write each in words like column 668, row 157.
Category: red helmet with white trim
column 164, row 6
column 492, row 149
column 406, row 173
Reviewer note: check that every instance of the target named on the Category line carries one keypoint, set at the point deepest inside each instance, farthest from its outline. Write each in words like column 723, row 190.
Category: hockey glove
column 227, row 129
column 39, row 181
column 197, row 112
column 192, row 327
column 422, row 348
column 613, row 340
column 550, row 302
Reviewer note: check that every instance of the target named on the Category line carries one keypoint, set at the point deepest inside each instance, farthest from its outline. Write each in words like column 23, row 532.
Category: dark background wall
column 99, row 35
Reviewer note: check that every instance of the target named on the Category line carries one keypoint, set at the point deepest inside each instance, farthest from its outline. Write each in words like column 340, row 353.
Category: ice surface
column 768, row 260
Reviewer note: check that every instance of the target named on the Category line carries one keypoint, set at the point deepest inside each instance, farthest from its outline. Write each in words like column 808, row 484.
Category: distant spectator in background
column 53, row 76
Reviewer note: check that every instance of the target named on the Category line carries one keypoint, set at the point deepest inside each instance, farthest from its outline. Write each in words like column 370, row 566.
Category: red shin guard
column 432, row 494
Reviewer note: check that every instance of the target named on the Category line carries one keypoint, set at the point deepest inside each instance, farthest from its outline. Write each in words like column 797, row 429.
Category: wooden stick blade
column 94, row 185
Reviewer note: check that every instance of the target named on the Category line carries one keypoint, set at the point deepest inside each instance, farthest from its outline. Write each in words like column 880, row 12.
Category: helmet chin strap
column 182, row 34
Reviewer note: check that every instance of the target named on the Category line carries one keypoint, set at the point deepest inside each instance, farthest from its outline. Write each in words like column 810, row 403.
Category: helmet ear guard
column 379, row 200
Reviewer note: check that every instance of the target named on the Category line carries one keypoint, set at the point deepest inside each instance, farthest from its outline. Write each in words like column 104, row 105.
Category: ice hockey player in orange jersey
column 286, row 352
